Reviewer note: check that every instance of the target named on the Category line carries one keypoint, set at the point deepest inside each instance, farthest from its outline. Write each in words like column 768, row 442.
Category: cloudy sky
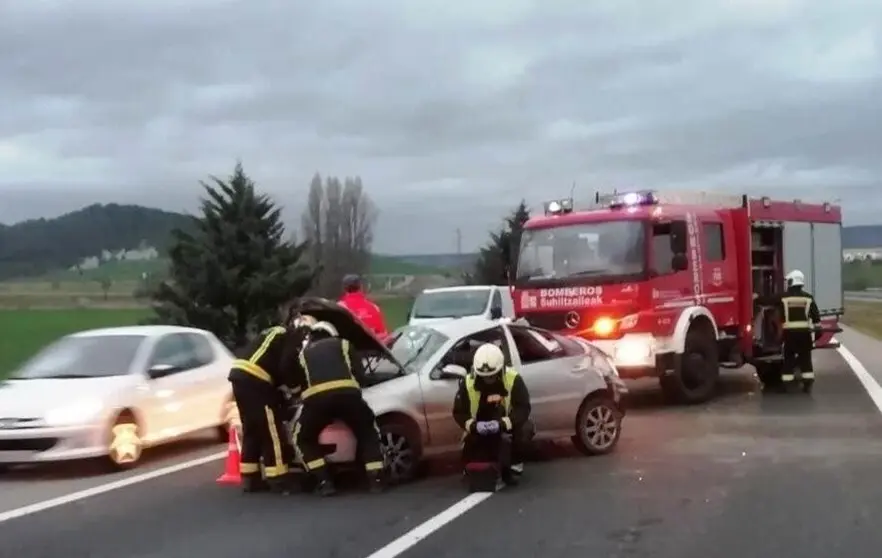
column 451, row 111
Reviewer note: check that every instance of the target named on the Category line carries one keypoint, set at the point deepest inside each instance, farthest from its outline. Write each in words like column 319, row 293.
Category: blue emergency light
column 627, row 199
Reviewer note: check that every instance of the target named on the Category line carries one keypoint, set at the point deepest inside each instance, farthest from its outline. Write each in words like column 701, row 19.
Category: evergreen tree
column 498, row 258
column 234, row 268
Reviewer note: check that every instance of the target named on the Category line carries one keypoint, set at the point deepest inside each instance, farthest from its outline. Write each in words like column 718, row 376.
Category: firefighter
column 333, row 374
column 491, row 402
column 799, row 318
column 266, row 369
column 355, row 301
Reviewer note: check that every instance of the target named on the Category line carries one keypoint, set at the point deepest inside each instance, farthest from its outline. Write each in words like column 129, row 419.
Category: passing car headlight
column 75, row 413
column 634, row 351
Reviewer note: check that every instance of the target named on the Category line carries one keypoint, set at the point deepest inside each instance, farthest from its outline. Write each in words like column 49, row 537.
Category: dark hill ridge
column 38, row 246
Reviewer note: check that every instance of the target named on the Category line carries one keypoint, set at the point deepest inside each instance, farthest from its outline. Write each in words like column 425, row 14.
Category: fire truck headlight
column 603, row 326
column 634, row 351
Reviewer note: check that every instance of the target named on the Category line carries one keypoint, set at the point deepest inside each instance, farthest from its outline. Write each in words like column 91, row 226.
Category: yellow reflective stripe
column 281, row 467
column 315, row 464
column 373, row 466
column 796, row 325
column 305, row 367
column 468, row 424
column 249, row 468
column 253, row 369
column 267, row 341
column 506, row 422
column 795, row 302
column 328, row 386
column 786, row 377
column 808, row 375
column 345, row 346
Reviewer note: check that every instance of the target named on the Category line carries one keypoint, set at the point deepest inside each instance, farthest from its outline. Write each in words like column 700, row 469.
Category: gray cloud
column 451, row 112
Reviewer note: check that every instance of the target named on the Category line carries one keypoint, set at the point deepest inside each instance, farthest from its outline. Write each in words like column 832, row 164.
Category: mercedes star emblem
column 572, row 320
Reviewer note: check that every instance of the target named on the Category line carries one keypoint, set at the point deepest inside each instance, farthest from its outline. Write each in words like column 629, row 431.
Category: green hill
column 47, row 249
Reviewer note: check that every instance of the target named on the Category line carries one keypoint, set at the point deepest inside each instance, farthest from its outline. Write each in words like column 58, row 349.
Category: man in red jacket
column 355, row 301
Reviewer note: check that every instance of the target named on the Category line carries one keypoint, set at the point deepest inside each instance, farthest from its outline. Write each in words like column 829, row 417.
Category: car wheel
column 598, row 425
column 400, row 451
column 125, row 445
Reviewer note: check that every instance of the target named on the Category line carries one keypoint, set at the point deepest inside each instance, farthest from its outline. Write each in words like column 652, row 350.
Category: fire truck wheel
column 695, row 380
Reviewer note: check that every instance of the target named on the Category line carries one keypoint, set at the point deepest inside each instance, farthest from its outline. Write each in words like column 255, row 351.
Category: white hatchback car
column 110, row 393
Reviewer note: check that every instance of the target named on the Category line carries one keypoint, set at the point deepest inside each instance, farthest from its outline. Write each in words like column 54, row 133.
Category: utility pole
column 458, row 242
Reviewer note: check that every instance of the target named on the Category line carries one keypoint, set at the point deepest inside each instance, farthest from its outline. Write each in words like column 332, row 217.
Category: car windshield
column 451, row 304
column 607, row 249
column 83, row 357
column 413, row 346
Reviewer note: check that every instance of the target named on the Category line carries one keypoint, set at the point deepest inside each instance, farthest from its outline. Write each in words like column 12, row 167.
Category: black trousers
column 504, row 449
column 322, row 409
column 264, row 436
column 798, row 351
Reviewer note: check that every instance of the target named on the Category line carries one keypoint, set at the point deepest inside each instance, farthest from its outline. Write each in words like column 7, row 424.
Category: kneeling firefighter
column 333, row 374
column 491, row 402
column 267, row 367
column 799, row 320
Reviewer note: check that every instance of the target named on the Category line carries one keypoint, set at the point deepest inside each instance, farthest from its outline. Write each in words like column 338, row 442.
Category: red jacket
column 366, row 311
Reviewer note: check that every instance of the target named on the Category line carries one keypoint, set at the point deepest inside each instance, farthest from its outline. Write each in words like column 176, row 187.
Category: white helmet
column 325, row 327
column 488, row 360
column 795, row 278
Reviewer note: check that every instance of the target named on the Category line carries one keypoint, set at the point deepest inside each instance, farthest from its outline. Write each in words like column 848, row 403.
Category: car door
column 174, row 391
column 438, row 395
column 208, row 385
column 554, row 381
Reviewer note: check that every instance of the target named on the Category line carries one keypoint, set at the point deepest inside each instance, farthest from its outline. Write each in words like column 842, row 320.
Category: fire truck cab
column 678, row 285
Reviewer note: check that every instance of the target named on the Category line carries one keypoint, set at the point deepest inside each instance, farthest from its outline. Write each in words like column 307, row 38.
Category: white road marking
column 103, row 488
column 869, row 382
column 420, row 532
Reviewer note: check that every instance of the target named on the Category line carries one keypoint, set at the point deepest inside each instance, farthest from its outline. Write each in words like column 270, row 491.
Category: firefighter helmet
column 488, row 360
column 795, row 279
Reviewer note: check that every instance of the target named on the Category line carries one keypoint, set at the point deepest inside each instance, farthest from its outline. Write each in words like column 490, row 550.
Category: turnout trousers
column 264, row 435
column 321, row 410
column 798, row 355
column 507, row 450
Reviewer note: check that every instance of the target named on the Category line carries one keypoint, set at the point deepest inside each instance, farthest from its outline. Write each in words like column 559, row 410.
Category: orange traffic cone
column 232, row 473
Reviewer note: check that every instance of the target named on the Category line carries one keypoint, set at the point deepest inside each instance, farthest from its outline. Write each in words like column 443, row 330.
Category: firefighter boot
column 376, row 482
column 325, row 486
column 283, row 484
column 511, row 475
column 808, row 381
column 254, row 483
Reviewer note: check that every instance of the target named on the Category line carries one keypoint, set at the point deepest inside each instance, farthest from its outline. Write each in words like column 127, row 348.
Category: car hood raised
column 33, row 398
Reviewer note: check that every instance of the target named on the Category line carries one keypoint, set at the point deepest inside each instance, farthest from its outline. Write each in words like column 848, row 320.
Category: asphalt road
column 747, row 475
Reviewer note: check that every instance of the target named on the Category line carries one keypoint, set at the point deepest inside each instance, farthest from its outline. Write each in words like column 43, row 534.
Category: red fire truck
column 678, row 285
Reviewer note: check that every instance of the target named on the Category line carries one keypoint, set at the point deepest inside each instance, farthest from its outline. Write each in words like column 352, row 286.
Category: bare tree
column 338, row 222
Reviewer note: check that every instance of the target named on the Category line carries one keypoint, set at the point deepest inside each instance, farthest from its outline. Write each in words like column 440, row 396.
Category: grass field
column 857, row 276
column 24, row 332
column 865, row 317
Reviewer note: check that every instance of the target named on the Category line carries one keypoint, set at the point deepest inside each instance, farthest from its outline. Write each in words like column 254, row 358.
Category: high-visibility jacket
column 515, row 404
column 265, row 360
column 330, row 364
column 798, row 310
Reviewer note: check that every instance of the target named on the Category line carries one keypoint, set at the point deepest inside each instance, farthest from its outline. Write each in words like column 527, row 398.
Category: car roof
column 146, row 330
column 460, row 288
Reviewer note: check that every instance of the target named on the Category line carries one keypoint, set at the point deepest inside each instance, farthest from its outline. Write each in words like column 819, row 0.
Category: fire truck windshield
column 599, row 249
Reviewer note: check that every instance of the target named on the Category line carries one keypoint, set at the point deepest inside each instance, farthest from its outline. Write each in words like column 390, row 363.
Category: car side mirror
column 160, row 370
column 678, row 239
column 679, row 262
column 495, row 313
column 449, row 372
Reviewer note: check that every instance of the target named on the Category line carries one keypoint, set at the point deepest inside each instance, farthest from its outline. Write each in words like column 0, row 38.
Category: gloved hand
column 483, row 428
column 493, row 427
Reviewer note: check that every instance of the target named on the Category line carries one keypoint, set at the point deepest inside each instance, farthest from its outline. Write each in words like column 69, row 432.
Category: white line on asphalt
column 101, row 489
column 869, row 382
column 420, row 532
